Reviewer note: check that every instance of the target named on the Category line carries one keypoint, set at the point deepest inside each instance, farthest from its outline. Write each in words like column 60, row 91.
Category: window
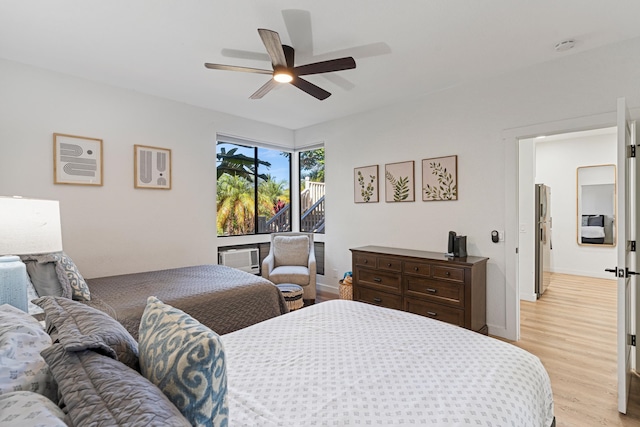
column 312, row 190
column 248, row 177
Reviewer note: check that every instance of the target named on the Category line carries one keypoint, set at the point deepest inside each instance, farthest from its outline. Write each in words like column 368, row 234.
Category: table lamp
column 27, row 226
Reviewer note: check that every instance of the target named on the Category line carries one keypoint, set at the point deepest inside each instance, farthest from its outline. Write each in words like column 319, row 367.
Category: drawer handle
column 431, row 290
column 446, row 273
column 432, row 313
column 377, row 279
column 377, row 300
column 366, row 261
column 388, row 264
column 416, row 268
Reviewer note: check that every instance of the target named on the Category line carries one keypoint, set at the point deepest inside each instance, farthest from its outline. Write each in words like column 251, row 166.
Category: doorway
column 556, row 162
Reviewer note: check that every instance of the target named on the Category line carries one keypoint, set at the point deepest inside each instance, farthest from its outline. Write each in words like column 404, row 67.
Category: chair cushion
column 291, row 250
column 290, row 274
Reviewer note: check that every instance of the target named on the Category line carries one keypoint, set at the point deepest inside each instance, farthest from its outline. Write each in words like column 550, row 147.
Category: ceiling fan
column 284, row 71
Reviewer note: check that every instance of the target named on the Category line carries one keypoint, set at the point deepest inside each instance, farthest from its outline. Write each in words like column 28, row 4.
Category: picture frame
column 152, row 167
column 77, row 160
column 399, row 182
column 440, row 179
column 365, row 184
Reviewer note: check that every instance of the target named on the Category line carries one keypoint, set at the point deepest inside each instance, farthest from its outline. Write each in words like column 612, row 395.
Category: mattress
column 222, row 298
column 345, row 363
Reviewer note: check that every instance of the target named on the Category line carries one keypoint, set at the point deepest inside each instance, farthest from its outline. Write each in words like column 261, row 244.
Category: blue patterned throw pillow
column 185, row 359
column 79, row 288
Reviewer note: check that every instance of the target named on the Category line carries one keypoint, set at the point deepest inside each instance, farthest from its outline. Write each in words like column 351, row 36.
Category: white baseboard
column 529, row 297
column 329, row 289
column 499, row 331
column 597, row 274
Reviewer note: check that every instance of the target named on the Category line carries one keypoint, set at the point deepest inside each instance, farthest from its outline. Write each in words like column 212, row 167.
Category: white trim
column 309, row 147
column 231, row 139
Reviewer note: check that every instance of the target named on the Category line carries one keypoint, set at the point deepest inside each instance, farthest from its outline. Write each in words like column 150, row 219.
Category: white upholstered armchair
column 292, row 259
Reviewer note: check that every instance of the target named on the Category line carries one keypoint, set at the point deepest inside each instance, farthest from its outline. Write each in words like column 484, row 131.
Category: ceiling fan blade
column 264, row 89
column 289, row 54
column 310, row 88
column 339, row 64
column 272, row 43
column 234, row 68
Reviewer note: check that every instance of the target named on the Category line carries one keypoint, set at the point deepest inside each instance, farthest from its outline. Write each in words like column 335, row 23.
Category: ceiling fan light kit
column 284, row 70
column 282, row 75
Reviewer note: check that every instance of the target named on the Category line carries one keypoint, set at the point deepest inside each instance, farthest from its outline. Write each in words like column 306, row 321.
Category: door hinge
column 633, row 245
column 631, row 151
column 633, row 340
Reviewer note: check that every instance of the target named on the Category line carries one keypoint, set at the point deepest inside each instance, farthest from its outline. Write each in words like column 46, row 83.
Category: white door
column 625, row 223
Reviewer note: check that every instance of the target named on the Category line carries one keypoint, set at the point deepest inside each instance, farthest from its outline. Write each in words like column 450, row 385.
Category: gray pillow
column 56, row 274
column 79, row 327
column 99, row 391
column 44, row 278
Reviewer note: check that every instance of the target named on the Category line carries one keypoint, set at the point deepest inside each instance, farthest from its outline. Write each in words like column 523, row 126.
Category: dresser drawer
column 436, row 291
column 453, row 274
column 382, row 280
column 417, row 268
column 389, row 264
column 375, row 297
column 365, row 259
column 455, row 316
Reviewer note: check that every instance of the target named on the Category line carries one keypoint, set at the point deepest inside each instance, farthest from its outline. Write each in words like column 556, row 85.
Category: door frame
column 511, row 138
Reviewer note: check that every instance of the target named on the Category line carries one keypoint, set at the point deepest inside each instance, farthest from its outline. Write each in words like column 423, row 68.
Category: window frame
column 299, row 152
column 256, row 146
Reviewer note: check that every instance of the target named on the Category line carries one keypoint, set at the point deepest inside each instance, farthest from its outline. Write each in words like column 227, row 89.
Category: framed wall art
column 365, row 184
column 399, row 182
column 440, row 178
column 152, row 167
column 77, row 160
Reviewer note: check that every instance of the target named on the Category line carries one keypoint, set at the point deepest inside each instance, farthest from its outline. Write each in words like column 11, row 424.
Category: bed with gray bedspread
column 222, row 298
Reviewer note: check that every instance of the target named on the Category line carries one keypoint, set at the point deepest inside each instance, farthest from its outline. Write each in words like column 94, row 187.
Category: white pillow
column 26, row 409
column 22, row 338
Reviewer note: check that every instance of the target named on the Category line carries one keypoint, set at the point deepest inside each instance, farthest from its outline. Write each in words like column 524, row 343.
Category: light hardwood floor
column 572, row 329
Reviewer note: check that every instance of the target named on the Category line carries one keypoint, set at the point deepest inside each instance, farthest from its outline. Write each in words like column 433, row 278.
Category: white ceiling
column 403, row 48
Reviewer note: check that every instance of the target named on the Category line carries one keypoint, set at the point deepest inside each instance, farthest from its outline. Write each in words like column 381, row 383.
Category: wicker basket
column 346, row 290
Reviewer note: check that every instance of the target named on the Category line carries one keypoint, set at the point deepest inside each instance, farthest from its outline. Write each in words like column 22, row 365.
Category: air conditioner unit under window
column 243, row 259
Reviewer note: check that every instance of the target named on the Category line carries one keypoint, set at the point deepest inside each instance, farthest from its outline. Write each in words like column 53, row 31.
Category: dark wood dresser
column 453, row 290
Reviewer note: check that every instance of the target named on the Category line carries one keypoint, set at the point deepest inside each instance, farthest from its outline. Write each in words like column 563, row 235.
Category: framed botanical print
column 440, row 178
column 152, row 167
column 365, row 184
column 399, row 182
column 77, row 160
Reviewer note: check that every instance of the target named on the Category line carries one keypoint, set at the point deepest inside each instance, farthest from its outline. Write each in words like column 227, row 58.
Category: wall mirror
column 596, row 196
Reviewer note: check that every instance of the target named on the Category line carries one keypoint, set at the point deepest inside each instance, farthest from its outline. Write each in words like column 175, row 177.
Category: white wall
column 116, row 229
column 556, row 165
column 468, row 121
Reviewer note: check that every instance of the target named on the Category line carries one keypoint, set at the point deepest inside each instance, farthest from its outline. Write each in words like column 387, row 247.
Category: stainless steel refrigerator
column 543, row 239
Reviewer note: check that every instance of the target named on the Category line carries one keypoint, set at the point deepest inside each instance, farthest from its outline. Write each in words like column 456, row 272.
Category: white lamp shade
column 29, row 226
